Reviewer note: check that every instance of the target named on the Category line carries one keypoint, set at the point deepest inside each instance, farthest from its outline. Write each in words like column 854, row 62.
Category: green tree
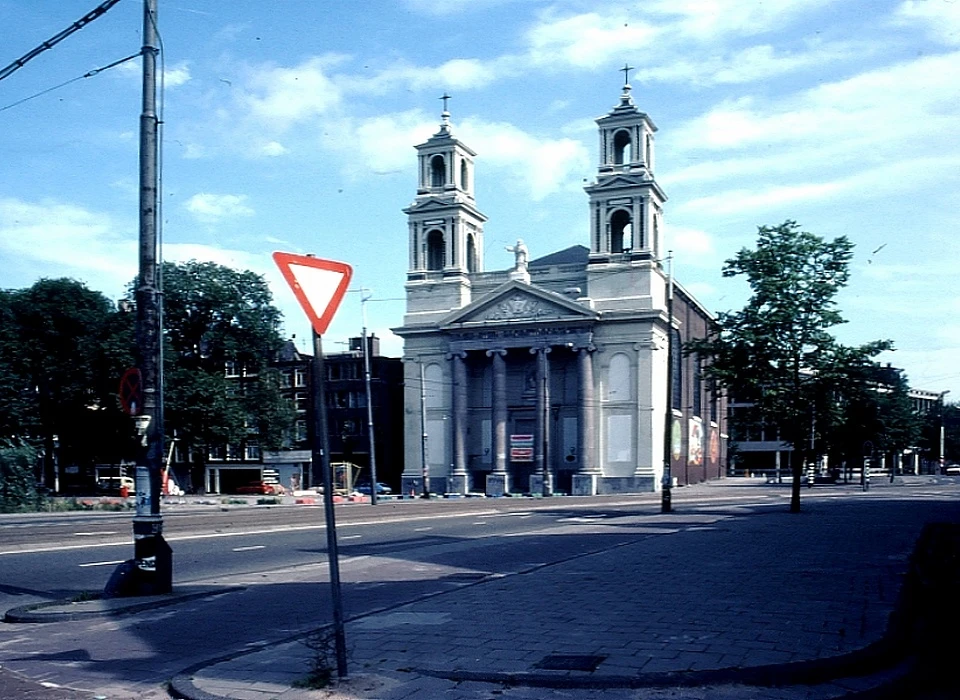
column 221, row 332
column 16, row 407
column 73, row 348
column 778, row 350
column 875, row 415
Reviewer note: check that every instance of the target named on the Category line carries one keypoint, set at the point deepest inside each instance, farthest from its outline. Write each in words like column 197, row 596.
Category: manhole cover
column 570, row 662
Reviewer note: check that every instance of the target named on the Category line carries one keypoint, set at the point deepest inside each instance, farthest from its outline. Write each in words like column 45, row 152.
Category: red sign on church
column 521, row 447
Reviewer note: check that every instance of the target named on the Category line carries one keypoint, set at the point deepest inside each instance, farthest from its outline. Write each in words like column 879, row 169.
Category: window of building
column 302, row 435
column 617, row 386
column 714, row 398
column 621, row 231
column 464, row 175
column 697, row 380
column 472, row 264
column 300, row 376
column 301, row 401
column 677, row 371
column 252, row 451
column 436, row 250
column 621, row 147
column 438, row 171
column 285, row 379
column 231, row 368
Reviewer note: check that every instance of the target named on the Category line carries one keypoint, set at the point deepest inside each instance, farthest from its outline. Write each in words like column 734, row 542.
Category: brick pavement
column 684, row 609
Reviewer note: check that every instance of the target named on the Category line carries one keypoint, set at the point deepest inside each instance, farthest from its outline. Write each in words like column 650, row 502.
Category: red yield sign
column 318, row 284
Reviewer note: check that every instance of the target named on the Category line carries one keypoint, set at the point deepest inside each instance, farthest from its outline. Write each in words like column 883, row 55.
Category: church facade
column 554, row 376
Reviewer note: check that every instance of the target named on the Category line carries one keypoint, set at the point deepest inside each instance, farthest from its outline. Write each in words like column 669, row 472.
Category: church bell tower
column 626, row 203
column 445, row 226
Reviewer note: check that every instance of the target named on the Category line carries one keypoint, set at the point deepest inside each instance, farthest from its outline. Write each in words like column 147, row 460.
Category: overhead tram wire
column 99, row 11
column 88, row 74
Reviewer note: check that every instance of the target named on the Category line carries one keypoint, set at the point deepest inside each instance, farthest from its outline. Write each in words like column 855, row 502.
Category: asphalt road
column 275, row 560
column 55, row 556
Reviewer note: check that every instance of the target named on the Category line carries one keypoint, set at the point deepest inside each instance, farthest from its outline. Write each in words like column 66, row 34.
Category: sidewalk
column 737, row 601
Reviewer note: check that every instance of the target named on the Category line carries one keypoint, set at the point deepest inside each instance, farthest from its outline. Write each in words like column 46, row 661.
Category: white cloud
column 278, row 97
column 712, row 19
column 458, row 73
column 213, row 207
column 940, row 19
column 380, row 144
column 544, row 166
column 273, row 148
column 689, row 242
column 587, row 40
column 735, row 201
column 177, row 75
column 65, row 240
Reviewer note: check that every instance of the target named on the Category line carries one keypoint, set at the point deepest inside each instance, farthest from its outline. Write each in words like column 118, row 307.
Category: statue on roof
column 520, row 255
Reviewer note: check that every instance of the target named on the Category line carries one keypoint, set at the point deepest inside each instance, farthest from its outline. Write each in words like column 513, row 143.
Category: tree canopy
column 221, row 332
column 64, row 348
column 778, row 351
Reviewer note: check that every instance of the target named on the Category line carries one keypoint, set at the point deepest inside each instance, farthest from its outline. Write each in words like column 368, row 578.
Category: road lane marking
column 94, row 534
column 422, row 529
column 250, row 548
column 100, row 563
column 350, row 537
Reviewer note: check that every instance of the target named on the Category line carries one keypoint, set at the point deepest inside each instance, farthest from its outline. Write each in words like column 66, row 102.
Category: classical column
column 585, row 481
column 497, row 480
column 457, row 482
column 540, row 480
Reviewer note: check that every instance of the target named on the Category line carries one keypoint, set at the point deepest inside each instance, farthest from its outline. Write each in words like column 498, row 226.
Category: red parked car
column 259, row 488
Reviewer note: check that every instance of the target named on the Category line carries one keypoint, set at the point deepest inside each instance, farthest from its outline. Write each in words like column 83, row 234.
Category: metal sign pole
column 321, row 456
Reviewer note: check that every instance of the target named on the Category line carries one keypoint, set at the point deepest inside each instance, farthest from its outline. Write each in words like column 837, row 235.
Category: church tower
column 445, row 226
column 626, row 203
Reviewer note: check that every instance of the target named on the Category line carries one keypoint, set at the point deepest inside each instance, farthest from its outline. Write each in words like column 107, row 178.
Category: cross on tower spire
column 444, row 97
column 626, row 73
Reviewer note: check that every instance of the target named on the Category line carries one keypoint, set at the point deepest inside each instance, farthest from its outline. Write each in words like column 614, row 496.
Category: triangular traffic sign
column 319, row 285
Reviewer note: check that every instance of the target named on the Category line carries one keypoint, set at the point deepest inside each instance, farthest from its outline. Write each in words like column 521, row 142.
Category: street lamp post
column 941, row 461
column 366, row 380
column 666, row 493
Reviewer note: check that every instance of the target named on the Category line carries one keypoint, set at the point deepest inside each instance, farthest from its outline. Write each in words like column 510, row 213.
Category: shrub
column 18, row 486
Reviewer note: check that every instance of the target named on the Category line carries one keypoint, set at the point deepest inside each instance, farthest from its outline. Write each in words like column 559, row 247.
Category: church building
column 554, row 376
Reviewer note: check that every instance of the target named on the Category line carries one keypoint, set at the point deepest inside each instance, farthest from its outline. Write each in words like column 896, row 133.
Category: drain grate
column 570, row 662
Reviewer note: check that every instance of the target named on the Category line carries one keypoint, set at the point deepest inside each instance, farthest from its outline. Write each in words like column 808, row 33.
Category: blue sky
column 290, row 126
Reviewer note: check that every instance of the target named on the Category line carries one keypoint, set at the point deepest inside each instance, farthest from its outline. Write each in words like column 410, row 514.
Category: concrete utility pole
column 154, row 560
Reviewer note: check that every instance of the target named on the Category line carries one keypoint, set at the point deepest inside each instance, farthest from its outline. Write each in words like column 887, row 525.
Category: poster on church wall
column 676, row 439
column 619, row 438
column 695, row 444
column 521, row 447
column 714, row 444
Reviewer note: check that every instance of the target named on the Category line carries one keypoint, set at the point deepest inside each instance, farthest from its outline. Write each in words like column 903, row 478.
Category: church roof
column 576, row 254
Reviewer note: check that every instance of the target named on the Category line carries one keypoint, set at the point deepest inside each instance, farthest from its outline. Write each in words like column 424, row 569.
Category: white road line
column 94, row 534
column 350, row 537
column 250, row 548
column 422, row 529
column 100, row 563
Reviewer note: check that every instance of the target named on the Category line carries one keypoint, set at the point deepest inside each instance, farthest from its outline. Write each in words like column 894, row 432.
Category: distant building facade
column 230, row 467
column 554, row 371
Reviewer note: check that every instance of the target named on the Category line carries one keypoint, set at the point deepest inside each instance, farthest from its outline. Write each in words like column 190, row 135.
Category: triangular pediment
column 618, row 181
column 441, row 205
column 518, row 302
